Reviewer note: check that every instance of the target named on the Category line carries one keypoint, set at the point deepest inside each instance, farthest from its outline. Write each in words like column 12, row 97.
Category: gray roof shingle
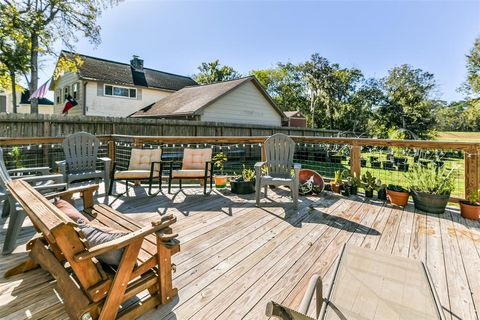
column 192, row 100
column 122, row 73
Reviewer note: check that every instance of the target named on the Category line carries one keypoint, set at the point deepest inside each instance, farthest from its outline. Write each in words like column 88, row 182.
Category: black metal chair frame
column 205, row 177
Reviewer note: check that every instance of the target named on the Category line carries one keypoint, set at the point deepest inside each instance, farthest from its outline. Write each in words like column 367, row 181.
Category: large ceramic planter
column 398, row 198
column 469, row 211
column 220, row 181
column 242, row 187
column 431, row 203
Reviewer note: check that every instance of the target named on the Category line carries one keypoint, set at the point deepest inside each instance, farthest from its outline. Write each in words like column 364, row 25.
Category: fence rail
column 388, row 160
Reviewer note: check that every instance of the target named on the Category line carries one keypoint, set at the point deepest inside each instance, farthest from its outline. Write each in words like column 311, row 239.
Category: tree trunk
column 34, row 72
column 312, row 109
column 14, row 92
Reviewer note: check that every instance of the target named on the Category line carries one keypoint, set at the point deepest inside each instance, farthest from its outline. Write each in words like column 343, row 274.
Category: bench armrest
column 127, row 239
column 41, row 170
column 57, row 178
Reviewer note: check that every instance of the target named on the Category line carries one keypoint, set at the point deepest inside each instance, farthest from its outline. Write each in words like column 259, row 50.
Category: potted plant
column 381, row 191
column 431, row 188
column 363, row 162
column 17, row 157
column 470, row 208
column 397, row 195
column 337, row 181
column 245, row 183
column 351, row 184
column 369, row 183
column 376, row 164
column 219, row 162
column 388, row 165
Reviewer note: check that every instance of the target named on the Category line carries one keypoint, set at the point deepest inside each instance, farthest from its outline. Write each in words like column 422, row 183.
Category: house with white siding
column 110, row 88
column 242, row 101
column 45, row 106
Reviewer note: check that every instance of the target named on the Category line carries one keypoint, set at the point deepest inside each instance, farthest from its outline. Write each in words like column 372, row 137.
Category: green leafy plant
column 219, row 161
column 17, row 156
column 369, row 182
column 339, row 174
column 352, row 180
column 474, row 197
column 247, row 174
column 437, row 181
column 396, row 188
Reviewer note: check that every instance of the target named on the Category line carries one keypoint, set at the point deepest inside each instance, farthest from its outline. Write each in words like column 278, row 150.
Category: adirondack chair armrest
column 104, row 159
column 41, row 170
column 62, row 166
column 296, row 168
column 127, row 239
column 57, row 178
column 87, row 194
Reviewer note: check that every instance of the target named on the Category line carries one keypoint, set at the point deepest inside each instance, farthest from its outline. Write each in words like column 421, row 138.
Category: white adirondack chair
column 40, row 178
column 279, row 150
column 81, row 150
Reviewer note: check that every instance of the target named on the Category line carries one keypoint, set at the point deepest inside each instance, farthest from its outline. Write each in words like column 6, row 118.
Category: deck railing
column 388, row 160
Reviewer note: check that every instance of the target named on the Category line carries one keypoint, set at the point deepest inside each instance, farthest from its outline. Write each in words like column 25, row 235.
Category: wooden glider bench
column 91, row 290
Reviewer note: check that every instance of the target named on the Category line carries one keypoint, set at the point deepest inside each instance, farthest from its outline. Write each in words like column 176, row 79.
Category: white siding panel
column 246, row 105
column 117, row 106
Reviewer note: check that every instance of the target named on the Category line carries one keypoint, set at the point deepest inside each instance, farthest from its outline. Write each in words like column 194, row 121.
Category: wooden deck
column 236, row 257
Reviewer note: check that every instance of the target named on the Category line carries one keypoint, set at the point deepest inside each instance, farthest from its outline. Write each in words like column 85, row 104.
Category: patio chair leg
column 6, row 208
column 110, row 188
column 266, row 189
column 14, row 225
column 169, row 184
column 205, row 185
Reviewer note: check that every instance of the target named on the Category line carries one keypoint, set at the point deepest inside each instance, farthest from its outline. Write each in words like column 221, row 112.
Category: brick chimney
column 137, row 63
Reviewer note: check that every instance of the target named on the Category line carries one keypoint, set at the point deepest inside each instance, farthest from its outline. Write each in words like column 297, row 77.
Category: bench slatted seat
column 89, row 290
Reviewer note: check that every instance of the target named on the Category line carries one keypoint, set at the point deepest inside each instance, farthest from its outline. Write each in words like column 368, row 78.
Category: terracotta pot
column 469, row 211
column 398, row 198
column 336, row 187
column 220, row 181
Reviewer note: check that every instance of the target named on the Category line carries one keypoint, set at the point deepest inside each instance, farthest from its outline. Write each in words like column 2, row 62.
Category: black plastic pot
column 363, row 162
column 428, row 202
column 242, row 187
column 382, row 194
column 373, row 158
column 388, row 165
column 353, row 190
column 376, row 164
column 399, row 160
column 403, row 167
column 346, row 191
column 369, row 193
column 335, row 159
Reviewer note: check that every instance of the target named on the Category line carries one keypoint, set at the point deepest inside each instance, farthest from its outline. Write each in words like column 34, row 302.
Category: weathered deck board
column 236, row 257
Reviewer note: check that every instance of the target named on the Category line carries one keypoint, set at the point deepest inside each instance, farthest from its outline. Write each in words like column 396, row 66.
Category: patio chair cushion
column 188, row 173
column 194, row 159
column 141, row 159
column 67, row 208
column 135, row 174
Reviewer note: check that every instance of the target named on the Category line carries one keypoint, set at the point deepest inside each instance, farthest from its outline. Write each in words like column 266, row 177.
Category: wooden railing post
column 111, row 149
column 472, row 170
column 355, row 156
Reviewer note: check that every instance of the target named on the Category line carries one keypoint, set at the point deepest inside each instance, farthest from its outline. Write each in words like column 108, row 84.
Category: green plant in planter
column 473, row 198
column 369, row 183
column 338, row 177
column 17, row 156
column 219, row 161
column 396, row 188
column 438, row 181
column 431, row 187
column 244, row 183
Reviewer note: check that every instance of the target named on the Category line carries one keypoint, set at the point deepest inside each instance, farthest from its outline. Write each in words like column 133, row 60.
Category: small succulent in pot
column 337, row 181
column 352, row 184
column 470, row 208
column 369, row 183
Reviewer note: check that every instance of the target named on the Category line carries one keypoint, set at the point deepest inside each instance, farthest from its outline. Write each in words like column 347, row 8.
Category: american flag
column 41, row 91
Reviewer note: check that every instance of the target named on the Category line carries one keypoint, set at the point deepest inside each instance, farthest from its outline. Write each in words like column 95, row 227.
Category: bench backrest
column 81, row 151
column 58, row 229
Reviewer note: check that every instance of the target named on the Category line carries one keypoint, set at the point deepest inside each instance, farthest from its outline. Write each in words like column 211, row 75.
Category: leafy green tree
column 408, row 102
column 14, row 50
column 211, row 72
column 46, row 21
column 284, row 84
column 473, row 68
column 451, row 117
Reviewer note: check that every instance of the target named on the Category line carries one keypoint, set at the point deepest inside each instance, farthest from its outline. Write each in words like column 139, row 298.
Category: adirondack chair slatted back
column 279, row 150
column 81, row 151
column 58, row 229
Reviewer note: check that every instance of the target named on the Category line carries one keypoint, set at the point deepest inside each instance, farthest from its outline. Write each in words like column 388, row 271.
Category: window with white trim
column 66, row 92
column 117, row 91
column 75, row 90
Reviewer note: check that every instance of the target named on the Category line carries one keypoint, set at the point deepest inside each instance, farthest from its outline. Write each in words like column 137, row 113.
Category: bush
column 437, row 181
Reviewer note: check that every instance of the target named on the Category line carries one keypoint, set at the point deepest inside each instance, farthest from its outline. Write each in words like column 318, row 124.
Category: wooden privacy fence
column 322, row 153
column 39, row 125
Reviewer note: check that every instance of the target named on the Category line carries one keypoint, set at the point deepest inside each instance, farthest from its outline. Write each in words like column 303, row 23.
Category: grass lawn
column 458, row 136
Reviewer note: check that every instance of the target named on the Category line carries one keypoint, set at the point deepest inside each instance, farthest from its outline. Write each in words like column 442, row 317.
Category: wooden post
column 355, row 156
column 111, row 149
column 472, row 170
column 262, row 153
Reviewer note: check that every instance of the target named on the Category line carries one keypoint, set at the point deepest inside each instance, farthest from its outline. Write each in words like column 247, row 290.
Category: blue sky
column 371, row 35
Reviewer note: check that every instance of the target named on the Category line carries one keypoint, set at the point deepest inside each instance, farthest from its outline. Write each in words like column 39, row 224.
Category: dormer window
column 117, row 91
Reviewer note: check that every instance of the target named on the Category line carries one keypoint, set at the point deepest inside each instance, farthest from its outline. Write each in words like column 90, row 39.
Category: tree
column 408, row 102
column 285, row 85
column 473, row 69
column 211, row 72
column 14, row 50
column 45, row 21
